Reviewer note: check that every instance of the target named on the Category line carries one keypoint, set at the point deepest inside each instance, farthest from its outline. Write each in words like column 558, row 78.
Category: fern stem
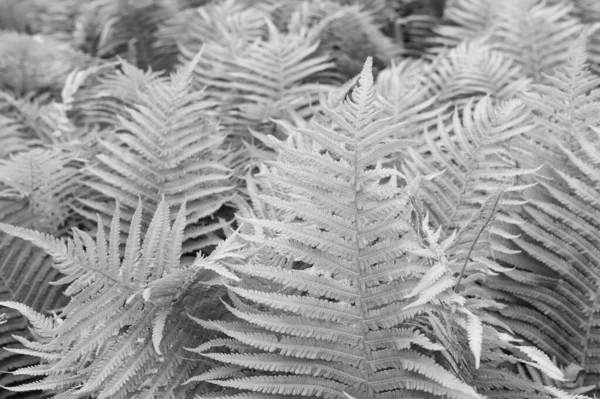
column 485, row 225
column 364, row 329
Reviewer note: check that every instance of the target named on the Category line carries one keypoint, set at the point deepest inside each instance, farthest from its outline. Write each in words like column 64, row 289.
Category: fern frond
column 502, row 359
column 402, row 88
column 474, row 69
column 121, row 334
column 336, row 293
column 335, row 200
column 108, row 92
column 564, row 106
column 537, row 35
column 169, row 146
column 559, row 233
column 12, row 139
column 268, row 78
column 39, row 187
column 36, row 122
column 477, row 156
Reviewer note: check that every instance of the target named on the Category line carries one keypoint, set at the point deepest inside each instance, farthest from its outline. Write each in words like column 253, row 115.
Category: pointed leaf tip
column 366, row 75
column 368, row 66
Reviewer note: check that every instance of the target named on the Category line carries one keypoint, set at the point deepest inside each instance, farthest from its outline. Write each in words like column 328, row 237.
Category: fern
column 564, row 106
column 417, row 92
column 477, row 156
column 39, row 187
column 120, row 336
column 560, row 241
column 26, row 123
column 266, row 79
column 229, row 23
column 474, row 69
column 459, row 264
column 222, row 30
column 403, row 90
column 169, row 147
column 329, row 339
column 107, row 92
column 36, row 189
column 40, row 121
column 336, row 294
column 535, row 34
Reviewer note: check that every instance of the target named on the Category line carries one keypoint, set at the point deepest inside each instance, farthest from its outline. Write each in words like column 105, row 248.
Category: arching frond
column 417, row 92
column 404, row 92
column 331, row 183
column 555, row 296
column 108, row 93
column 564, row 107
column 11, row 138
column 25, row 276
column 499, row 375
column 474, row 69
column 476, row 155
column 265, row 79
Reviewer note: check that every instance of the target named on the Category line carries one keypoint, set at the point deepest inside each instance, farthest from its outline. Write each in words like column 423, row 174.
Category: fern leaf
column 268, row 78
column 169, row 145
column 335, row 323
column 537, row 35
column 472, row 70
column 43, row 183
column 111, row 328
column 543, row 362
column 326, row 294
column 38, row 320
column 475, row 332
column 158, row 325
column 558, row 233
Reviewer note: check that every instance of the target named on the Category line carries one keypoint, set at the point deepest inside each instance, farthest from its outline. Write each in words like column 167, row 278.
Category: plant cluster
column 253, row 199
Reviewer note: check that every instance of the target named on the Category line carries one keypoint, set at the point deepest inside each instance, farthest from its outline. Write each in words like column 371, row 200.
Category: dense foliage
column 311, row 198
